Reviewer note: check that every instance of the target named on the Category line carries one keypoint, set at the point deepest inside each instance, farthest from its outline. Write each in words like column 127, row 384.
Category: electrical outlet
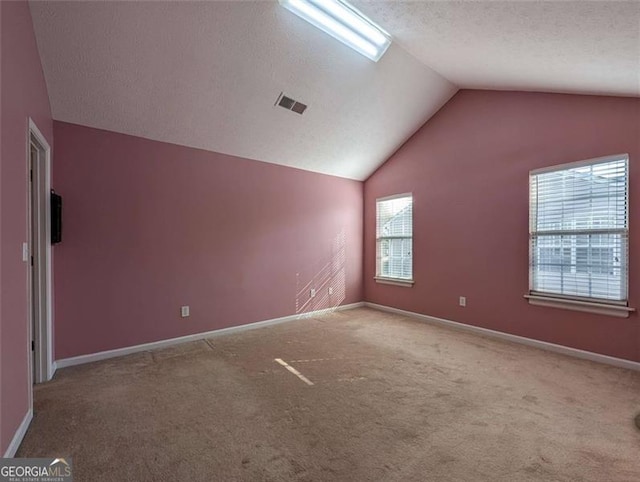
column 330, row 290
column 313, row 292
column 184, row 311
column 463, row 301
column 25, row 252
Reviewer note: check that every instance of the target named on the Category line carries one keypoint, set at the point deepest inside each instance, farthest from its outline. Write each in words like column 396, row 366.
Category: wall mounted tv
column 56, row 217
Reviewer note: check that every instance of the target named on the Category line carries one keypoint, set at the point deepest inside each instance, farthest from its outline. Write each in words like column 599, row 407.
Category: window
column 579, row 231
column 394, row 239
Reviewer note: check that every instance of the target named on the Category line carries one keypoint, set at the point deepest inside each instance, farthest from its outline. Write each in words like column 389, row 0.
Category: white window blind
column 394, row 237
column 579, row 229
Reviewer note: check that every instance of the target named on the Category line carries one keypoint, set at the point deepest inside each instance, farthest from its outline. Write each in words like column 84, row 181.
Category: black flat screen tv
column 56, row 217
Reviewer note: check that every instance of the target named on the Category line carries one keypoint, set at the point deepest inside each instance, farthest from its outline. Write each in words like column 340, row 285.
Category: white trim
column 103, row 355
column 383, row 279
column 586, row 299
column 19, row 435
column 585, row 162
column 395, row 196
column 407, row 283
column 45, row 369
column 608, row 309
column 624, row 233
column 34, row 129
column 543, row 345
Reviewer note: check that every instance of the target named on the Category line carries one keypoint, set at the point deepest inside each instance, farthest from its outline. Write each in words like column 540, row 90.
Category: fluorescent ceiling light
column 344, row 23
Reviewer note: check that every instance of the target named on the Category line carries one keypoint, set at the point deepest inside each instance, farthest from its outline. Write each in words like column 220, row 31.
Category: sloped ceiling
column 207, row 75
column 587, row 47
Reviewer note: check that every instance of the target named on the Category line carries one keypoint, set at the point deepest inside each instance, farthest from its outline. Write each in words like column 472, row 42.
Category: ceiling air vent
column 290, row 104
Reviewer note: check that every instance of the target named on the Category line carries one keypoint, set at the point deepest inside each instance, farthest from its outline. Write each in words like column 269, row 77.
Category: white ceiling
column 590, row 47
column 207, row 74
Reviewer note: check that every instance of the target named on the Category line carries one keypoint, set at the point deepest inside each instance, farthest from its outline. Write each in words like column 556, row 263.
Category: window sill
column 407, row 283
column 617, row 310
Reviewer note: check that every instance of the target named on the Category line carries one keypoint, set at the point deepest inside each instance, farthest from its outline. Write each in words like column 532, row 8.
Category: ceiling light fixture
column 344, row 23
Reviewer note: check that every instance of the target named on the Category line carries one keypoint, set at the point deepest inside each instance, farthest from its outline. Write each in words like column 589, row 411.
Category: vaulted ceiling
column 207, row 74
column 572, row 46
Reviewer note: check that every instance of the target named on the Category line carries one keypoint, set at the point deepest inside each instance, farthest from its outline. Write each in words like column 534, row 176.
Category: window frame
column 390, row 280
column 619, row 308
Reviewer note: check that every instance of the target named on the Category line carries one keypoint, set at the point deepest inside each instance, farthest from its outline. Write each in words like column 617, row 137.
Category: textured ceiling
column 207, row 75
column 560, row 46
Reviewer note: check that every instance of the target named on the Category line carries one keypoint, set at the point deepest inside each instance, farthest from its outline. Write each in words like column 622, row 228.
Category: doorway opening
column 39, row 261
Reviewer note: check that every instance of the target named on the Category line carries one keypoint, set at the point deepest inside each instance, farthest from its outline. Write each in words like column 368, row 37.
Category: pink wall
column 468, row 169
column 24, row 95
column 150, row 226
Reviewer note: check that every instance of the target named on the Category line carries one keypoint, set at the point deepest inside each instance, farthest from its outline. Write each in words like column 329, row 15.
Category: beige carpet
column 392, row 400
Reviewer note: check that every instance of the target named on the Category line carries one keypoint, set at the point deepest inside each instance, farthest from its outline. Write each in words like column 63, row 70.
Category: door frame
column 40, row 276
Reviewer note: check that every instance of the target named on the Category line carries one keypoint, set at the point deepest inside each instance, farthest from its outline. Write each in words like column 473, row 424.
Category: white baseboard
column 103, row 355
column 19, row 435
column 565, row 350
